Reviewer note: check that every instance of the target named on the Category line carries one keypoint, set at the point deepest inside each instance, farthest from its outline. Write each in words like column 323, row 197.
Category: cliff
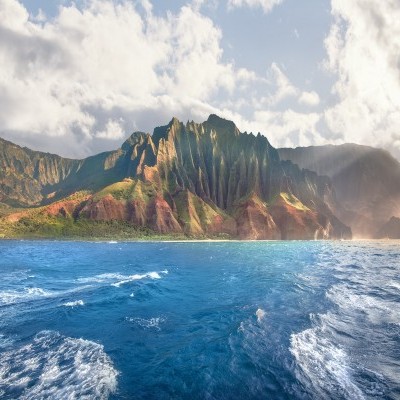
column 366, row 182
column 193, row 179
column 390, row 230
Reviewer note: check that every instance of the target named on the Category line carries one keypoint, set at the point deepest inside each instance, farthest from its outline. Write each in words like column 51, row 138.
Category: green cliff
column 196, row 180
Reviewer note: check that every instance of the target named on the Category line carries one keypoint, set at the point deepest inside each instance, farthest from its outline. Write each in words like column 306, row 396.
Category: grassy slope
column 291, row 200
column 37, row 223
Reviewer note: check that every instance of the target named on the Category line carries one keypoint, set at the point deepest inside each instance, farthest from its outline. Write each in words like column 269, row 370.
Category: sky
column 77, row 78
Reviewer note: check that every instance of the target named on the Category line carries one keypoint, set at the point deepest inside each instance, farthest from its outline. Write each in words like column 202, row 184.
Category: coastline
column 116, row 240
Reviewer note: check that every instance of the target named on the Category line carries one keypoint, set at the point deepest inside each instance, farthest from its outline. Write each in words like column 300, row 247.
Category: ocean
column 208, row 320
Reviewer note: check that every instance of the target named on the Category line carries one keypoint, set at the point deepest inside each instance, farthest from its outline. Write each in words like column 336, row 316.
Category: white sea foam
column 151, row 323
column 136, row 277
column 117, row 279
column 5, row 341
column 154, row 275
column 321, row 359
column 395, row 285
column 16, row 276
column 101, row 278
column 378, row 309
column 26, row 294
column 74, row 303
column 56, row 367
column 112, row 242
column 323, row 365
column 8, row 297
column 260, row 313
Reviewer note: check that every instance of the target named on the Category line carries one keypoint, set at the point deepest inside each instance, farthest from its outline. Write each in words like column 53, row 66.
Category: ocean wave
column 376, row 308
column 323, row 365
column 394, row 285
column 117, row 279
column 101, row 278
column 16, row 276
column 5, row 341
column 74, row 303
column 9, row 297
column 15, row 296
column 151, row 323
column 260, row 314
column 322, row 352
column 53, row 366
column 136, row 277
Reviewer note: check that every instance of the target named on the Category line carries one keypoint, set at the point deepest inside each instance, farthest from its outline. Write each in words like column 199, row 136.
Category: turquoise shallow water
column 229, row 320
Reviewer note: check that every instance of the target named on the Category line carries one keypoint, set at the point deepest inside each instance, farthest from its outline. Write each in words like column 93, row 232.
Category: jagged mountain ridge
column 366, row 182
column 33, row 178
column 199, row 179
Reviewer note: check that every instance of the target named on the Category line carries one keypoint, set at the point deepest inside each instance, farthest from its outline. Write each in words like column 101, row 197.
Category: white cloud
column 363, row 49
column 290, row 128
column 309, row 98
column 266, row 5
column 113, row 130
column 284, row 88
column 98, row 71
column 12, row 13
column 77, row 83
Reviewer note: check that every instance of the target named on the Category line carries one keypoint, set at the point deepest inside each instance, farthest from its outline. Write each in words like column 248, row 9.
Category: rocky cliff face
column 390, row 230
column 366, row 182
column 197, row 179
column 25, row 174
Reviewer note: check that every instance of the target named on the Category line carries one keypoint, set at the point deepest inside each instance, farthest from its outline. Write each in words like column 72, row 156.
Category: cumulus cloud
column 284, row 88
column 309, row 98
column 105, row 69
column 78, row 83
column 363, row 49
column 113, row 130
column 265, row 5
column 290, row 127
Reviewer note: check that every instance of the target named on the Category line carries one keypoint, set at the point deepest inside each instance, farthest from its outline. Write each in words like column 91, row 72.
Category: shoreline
column 125, row 240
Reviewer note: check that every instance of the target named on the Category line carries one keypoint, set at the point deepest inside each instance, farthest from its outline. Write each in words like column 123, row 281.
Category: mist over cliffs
column 366, row 181
column 196, row 179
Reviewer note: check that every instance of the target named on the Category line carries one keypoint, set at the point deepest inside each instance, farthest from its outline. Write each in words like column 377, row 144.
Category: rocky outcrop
column 254, row 220
column 296, row 221
column 199, row 218
column 25, row 175
column 154, row 213
column 161, row 218
column 105, row 209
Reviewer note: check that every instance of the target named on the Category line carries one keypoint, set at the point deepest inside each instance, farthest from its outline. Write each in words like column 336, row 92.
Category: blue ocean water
column 223, row 320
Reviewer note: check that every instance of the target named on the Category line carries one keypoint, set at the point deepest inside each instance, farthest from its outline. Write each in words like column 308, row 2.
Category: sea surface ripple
column 221, row 320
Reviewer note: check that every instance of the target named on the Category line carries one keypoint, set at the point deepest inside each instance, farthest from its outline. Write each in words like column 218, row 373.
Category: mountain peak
column 134, row 138
column 216, row 119
column 174, row 121
column 221, row 123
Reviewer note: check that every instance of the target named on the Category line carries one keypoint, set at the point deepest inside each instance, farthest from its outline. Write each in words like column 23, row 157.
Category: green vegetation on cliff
column 186, row 180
